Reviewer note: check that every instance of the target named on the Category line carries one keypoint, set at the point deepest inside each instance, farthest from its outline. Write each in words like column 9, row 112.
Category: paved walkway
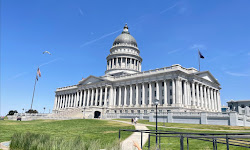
column 127, row 144
column 5, row 145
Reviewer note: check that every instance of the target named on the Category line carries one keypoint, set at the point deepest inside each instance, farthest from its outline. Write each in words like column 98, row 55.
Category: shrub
column 31, row 141
column 12, row 112
column 31, row 111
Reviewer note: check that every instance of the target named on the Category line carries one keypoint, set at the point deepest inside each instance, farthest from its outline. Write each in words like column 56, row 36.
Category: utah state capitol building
column 126, row 89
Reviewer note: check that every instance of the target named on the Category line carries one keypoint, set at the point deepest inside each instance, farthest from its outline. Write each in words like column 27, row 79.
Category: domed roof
column 125, row 37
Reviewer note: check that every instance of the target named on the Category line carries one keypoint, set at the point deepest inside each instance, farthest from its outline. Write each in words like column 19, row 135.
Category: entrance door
column 97, row 114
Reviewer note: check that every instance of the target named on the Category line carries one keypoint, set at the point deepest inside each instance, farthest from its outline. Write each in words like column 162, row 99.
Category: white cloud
column 173, row 51
column 237, row 74
column 169, row 8
column 18, row 75
column 80, row 11
column 46, row 63
column 198, row 46
column 97, row 39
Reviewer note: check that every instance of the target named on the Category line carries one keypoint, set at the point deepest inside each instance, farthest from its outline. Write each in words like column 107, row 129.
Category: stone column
column 157, row 90
column 193, row 94
column 209, row 98
column 80, row 105
column 96, row 96
column 113, row 63
column 116, row 63
column 84, row 98
column 105, row 96
column 197, row 95
column 150, row 94
column 219, row 102
column 125, row 94
column 178, row 92
column 88, row 96
column 72, row 100
column 120, row 96
column 173, row 92
column 185, row 93
column 114, row 102
column 212, row 98
column 100, row 99
column 188, row 94
column 58, row 102
column 55, row 103
column 137, row 95
column 165, row 93
column 126, row 62
column 111, row 97
column 201, row 97
column 75, row 98
column 92, row 97
column 215, row 101
column 131, row 95
column 143, row 94
column 205, row 97
column 67, row 101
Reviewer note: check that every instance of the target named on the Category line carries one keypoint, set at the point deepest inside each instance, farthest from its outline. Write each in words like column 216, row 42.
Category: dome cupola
column 125, row 38
column 124, row 55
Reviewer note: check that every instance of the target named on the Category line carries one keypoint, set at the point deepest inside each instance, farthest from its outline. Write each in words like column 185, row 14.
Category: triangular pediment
column 208, row 76
column 90, row 80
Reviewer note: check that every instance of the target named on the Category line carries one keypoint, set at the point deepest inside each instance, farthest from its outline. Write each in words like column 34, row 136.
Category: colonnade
column 124, row 62
column 177, row 92
column 86, row 97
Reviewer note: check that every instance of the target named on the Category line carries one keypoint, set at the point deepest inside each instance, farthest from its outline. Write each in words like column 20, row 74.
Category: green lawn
column 88, row 129
column 174, row 143
column 168, row 143
column 196, row 126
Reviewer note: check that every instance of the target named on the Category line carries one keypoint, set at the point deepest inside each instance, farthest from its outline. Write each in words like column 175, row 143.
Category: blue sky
column 79, row 35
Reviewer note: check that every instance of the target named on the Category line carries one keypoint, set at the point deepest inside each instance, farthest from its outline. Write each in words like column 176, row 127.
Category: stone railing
column 232, row 118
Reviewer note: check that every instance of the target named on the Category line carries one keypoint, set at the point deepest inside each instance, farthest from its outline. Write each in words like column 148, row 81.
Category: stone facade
column 126, row 89
column 240, row 106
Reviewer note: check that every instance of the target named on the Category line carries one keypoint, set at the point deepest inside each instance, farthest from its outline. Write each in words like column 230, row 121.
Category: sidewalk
column 5, row 145
column 127, row 144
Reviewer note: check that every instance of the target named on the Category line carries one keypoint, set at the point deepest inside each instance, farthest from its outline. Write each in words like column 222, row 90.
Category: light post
column 156, row 102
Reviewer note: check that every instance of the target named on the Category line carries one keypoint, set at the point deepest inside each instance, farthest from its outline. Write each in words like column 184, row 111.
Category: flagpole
column 199, row 60
column 33, row 92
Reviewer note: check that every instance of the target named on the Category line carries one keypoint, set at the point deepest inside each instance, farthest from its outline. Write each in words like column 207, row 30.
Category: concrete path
column 127, row 144
column 5, row 145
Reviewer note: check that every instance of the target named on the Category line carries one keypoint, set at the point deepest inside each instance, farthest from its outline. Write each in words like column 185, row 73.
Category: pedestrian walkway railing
column 228, row 139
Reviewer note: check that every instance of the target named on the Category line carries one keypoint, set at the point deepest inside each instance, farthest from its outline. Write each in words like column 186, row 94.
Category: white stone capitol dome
column 125, row 38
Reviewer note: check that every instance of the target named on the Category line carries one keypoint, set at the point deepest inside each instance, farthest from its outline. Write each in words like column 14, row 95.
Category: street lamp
column 156, row 102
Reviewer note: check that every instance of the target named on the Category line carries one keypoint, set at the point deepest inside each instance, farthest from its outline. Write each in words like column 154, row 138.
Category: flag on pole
column 201, row 56
column 38, row 72
column 36, row 78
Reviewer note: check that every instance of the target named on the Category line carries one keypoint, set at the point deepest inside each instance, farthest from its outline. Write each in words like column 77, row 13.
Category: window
column 152, row 110
column 162, row 84
column 242, row 106
column 171, row 92
column 171, row 83
column 160, row 111
column 155, row 93
column 145, row 111
column 155, row 84
column 162, row 101
column 132, row 111
column 138, row 111
column 121, row 111
column 171, row 101
column 126, row 111
column 162, row 92
column 107, row 111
